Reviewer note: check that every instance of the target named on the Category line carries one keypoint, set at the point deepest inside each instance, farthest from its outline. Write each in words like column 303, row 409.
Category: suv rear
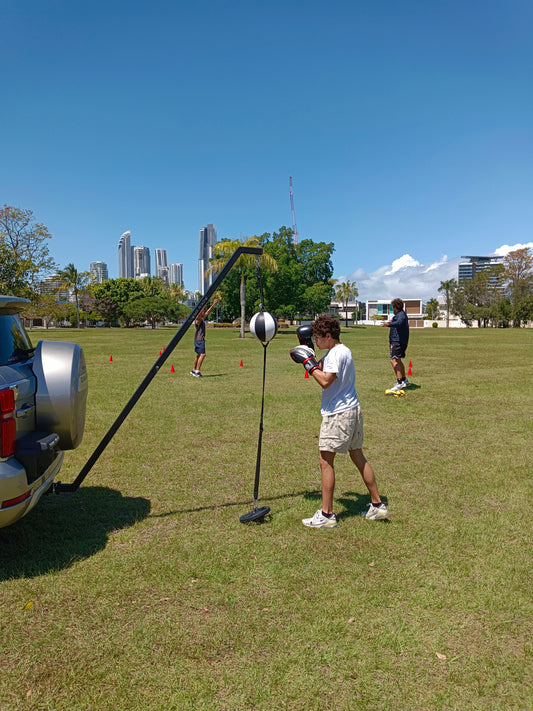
column 43, row 395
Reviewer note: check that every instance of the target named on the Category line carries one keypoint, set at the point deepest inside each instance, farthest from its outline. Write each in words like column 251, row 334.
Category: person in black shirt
column 398, row 340
column 199, row 339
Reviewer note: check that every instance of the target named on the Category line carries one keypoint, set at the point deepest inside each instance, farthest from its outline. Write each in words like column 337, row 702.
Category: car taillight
column 8, row 425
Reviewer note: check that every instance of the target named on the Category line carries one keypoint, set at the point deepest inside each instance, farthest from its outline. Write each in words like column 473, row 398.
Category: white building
column 125, row 256
column 99, row 271
column 141, row 262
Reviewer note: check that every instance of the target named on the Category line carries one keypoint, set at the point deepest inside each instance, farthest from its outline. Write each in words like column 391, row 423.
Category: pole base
column 255, row 515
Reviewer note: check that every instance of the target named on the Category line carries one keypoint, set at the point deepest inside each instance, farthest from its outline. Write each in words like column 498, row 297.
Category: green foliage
column 303, row 282
column 154, row 309
column 24, row 251
column 432, row 309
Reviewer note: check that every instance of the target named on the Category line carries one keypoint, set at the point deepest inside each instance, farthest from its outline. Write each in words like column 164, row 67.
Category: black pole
column 259, row 442
column 154, row 370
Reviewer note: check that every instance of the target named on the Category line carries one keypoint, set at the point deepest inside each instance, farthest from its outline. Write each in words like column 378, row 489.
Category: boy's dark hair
column 325, row 324
column 398, row 303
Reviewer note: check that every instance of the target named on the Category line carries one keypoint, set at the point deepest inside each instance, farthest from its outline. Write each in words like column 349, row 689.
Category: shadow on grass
column 243, row 504
column 65, row 528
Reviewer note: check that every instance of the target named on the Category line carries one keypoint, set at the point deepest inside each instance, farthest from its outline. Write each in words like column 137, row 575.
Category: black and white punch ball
column 264, row 326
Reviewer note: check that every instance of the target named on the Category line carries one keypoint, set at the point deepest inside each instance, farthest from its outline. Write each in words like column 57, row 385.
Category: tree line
column 296, row 279
column 499, row 296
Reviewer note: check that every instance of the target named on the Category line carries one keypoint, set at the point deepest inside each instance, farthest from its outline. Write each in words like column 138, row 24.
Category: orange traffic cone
column 241, row 365
column 110, row 358
column 410, row 372
column 172, row 369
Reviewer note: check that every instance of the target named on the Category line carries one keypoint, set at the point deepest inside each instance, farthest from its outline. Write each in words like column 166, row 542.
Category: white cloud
column 409, row 279
column 405, row 277
column 505, row 248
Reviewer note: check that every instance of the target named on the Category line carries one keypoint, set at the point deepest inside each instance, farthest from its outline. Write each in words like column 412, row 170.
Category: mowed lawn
column 143, row 590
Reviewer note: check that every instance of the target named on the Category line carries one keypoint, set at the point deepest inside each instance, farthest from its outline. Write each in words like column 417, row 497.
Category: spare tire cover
column 61, row 395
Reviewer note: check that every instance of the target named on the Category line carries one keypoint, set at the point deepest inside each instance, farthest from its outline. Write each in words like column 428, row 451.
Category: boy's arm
column 210, row 308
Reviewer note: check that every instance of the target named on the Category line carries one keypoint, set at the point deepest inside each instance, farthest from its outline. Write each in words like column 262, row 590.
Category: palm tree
column 224, row 250
column 344, row 292
column 73, row 280
column 448, row 287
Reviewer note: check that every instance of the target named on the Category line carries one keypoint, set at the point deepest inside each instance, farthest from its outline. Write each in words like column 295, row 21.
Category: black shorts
column 397, row 350
column 199, row 347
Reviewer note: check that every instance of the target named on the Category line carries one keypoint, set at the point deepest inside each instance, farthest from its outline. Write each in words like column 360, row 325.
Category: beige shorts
column 341, row 432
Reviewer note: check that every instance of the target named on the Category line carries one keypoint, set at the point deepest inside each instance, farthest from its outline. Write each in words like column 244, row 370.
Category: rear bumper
column 14, row 484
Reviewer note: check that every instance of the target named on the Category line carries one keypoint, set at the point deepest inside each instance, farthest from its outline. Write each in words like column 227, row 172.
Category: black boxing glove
column 305, row 336
column 305, row 356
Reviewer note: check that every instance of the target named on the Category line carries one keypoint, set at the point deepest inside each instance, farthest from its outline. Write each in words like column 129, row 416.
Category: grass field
column 143, row 590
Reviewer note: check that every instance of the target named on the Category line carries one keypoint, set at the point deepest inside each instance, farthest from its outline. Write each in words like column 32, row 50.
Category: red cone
column 160, row 354
column 172, row 369
column 110, row 358
column 306, row 375
column 241, row 365
column 410, row 372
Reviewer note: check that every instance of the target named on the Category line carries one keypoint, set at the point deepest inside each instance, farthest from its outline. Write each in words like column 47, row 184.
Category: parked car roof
column 12, row 304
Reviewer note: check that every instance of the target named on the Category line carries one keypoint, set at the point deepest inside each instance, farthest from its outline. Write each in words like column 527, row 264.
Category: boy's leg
column 366, row 471
column 199, row 360
column 328, row 480
column 398, row 367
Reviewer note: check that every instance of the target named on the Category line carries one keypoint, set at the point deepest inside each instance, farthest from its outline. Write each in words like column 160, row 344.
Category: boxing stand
column 258, row 513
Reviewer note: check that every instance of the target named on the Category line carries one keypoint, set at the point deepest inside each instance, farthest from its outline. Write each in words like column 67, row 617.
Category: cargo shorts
column 341, row 432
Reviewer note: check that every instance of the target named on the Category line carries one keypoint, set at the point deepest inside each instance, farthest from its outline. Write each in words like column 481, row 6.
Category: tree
column 112, row 297
column 73, row 280
column 155, row 309
column 223, row 250
column 288, row 291
column 432, row 310
column 24, row 243
column 344, row 292
column 518, row 275
column 448, row 287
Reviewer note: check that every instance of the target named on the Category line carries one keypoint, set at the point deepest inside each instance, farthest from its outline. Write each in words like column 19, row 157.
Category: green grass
column 148, row 593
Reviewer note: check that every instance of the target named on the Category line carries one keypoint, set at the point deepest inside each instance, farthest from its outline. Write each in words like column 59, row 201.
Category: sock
column 327, row 515
column 398, row 380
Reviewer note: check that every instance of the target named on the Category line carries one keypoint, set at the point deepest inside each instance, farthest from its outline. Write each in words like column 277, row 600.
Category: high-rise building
column 99, row 271
column 175, row 274
column 208, row 239
column 141, row 262
column 160, row 260
column 468, row 270
column 125, row 256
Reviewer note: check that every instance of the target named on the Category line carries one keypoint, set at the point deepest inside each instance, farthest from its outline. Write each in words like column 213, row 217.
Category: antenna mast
column 294, row 228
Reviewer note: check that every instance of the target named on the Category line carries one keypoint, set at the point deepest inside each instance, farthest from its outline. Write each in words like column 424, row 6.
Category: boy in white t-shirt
column 342, row 421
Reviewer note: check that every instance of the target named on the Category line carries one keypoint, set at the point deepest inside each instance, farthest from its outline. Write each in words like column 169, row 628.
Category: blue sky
column 407, row 128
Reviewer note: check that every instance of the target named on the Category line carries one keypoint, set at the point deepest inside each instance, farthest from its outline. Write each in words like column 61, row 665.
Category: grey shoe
column 320, row 521
column 377, row 513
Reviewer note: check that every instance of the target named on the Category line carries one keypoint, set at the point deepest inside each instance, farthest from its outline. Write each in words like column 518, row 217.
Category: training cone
column 172, row 369
column 410, row 372
column 160, row 354
column 241, row 365
column 110, row 358
column 306, row 377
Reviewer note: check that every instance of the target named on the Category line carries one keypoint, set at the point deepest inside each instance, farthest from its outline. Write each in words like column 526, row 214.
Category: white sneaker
column 404, row 384
column 320, row 521
column 195, row 373
column 377, row 513
column 395, row 387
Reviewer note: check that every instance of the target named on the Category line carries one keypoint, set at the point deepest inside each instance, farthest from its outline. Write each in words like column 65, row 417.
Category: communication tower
column 294, row 228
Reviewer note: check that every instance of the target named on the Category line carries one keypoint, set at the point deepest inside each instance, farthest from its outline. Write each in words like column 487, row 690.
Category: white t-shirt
column 341, row 394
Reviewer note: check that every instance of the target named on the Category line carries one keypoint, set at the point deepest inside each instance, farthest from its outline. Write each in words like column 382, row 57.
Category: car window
column 15, row 345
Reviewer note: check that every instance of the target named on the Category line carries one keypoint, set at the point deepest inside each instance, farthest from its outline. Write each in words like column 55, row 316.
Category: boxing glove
column 305, row 336
column 305, row 356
